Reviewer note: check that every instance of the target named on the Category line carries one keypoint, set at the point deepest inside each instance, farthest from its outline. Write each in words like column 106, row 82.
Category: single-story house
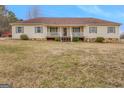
column 87, row 29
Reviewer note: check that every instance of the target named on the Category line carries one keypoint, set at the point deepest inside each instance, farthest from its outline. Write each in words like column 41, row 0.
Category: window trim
column 93, row 31
column 36, row 29
column 109, row 31
column 17, row 30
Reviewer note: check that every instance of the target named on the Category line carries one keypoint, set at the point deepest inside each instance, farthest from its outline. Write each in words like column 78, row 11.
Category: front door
column 64, row 31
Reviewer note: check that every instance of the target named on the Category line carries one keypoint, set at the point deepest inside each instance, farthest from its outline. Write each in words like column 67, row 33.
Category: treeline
column 6, row 17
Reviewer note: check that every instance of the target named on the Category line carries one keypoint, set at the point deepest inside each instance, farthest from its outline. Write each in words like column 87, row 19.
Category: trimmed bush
column 24, row 37
column 57, row 39
column 76, row 39
column 99, row 39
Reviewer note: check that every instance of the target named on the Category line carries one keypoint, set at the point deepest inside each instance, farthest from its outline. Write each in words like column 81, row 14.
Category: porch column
column 60, row 33
column 71, row 33
column 45, row 31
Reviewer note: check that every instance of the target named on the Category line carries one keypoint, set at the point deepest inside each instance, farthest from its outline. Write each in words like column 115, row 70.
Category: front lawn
column 57, row 64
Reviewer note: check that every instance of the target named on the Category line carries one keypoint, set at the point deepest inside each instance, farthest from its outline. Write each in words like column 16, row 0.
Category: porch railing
column 77, row 34
column 53, row 34
column 57, row 34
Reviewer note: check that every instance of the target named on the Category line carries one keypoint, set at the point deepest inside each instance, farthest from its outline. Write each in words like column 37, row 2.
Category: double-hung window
column 19, row 29
column 76, row 29
column 92, row 29
column 38, row 30
column 54, row 30
column 111, row 30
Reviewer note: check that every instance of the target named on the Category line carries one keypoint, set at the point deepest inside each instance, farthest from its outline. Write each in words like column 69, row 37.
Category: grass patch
column 10, row 49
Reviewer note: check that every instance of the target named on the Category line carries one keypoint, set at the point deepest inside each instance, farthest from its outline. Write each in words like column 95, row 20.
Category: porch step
column 65, row 39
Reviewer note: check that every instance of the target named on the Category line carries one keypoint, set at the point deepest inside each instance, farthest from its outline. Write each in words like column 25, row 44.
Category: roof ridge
column 70, row 20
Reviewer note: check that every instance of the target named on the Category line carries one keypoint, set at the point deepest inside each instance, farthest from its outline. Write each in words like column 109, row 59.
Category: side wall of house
column 30, row 32
column 101, row 32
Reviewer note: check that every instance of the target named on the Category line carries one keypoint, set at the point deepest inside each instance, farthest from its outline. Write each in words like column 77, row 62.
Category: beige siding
column 101, row 32
column 30, row 32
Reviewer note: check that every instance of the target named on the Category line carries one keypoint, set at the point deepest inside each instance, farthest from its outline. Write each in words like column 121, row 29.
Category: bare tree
column 34, row 12
column 6, row 17
column 3, row 10
column 3, row 18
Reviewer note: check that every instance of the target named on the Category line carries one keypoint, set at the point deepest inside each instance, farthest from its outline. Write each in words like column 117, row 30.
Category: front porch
column 65, row 33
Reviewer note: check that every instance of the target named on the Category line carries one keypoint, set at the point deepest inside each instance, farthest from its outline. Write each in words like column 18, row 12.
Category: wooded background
column 7, row 16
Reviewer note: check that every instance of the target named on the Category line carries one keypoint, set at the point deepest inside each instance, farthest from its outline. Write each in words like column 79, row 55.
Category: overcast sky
column 112, row 13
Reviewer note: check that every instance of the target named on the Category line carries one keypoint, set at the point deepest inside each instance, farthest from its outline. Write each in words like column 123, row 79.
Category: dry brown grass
column 56, row 64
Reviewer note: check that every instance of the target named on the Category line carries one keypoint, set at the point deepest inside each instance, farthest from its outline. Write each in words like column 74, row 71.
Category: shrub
column 57, row 39
column 24, row 37
column 76, row 39
column 99, row 39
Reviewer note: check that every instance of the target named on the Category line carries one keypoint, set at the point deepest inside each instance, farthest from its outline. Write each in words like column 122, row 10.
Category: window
column 92, row 29
column 111, row 30
column 38, row 30
column 53, row 29
column 76, row 29
column 19, row 29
